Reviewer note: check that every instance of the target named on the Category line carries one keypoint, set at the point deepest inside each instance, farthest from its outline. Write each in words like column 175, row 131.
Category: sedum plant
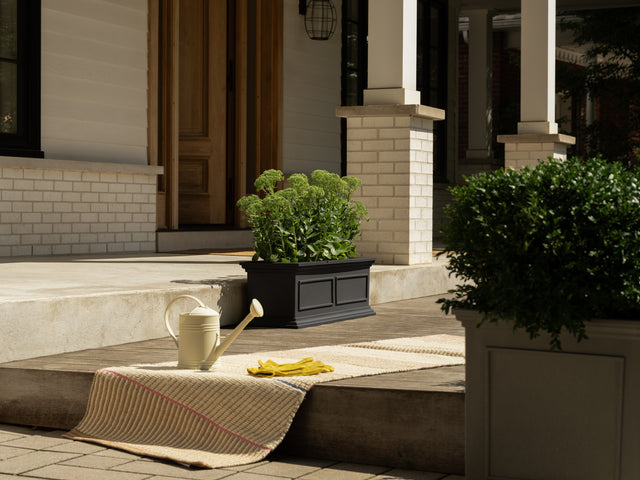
column 313, row 219
column 549, row 247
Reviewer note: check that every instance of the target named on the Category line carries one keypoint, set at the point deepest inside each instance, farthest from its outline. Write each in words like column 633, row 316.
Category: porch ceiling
column 514, row 5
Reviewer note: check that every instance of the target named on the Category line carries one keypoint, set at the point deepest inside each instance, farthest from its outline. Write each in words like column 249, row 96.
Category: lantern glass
column 320, row 20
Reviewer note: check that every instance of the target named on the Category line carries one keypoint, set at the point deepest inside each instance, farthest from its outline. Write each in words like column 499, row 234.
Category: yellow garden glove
column 306, row 366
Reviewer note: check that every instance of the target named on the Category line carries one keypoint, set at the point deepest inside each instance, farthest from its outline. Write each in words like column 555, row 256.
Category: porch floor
column 66, row 304
column 362, row 420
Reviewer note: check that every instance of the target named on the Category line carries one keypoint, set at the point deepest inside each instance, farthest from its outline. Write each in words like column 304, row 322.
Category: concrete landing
column 51, row 305
column 408, row 420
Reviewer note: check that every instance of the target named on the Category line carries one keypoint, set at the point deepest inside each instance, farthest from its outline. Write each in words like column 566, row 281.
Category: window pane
column 9, row 29
column 435, row 27
column 8, row 97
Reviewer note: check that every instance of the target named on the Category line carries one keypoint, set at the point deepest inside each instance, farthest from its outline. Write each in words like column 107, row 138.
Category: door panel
column 194, row 175
column 202, row 169
column 194, row 61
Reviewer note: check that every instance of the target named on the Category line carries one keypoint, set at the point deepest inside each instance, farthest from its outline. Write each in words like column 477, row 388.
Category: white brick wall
column 519, row 155
column 59, row 208
column 393, row 156
column 527, row 150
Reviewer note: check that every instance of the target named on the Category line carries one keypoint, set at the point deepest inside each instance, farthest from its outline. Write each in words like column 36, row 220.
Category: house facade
column 135, row 126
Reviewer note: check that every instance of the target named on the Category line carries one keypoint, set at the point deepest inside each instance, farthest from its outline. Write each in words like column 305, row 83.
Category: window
column 20, row 78
column 354, row 61
column 432, row 74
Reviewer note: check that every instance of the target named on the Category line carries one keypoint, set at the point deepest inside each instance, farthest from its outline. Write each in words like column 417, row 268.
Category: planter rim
column 295, row 265
column 597, row 327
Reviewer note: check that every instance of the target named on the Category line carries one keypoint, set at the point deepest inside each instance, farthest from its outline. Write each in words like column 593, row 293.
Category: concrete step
column 51, row 305
column 409, row 420
column 418, row 427
column 414, row 420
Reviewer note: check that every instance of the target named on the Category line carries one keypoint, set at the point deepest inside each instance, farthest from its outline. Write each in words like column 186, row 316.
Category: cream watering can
column 199, row 344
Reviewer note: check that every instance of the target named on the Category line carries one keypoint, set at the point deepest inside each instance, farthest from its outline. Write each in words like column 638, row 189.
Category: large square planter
column 536, row 414
column 303, row 294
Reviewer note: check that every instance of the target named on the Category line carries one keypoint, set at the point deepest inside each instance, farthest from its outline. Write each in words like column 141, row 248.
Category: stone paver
column 65, row 472
column 110, row 452
column 35, row 442
column 46, row 455
column 9, row 452
column 399, row 474
column 6, row 436
column 171, row 470
column 253, row 476
column 70, row 446
column 290, row 468
column 32, row 460
column 96, row 461
column 346, row 471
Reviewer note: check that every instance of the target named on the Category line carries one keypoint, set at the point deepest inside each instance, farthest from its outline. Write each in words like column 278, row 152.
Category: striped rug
column 226, row 417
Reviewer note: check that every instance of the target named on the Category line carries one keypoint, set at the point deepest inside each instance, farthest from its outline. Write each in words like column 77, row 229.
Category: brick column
column 390, row 148
column 529, row 149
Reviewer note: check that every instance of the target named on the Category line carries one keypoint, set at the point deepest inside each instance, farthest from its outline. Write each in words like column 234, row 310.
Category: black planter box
column 296, row 295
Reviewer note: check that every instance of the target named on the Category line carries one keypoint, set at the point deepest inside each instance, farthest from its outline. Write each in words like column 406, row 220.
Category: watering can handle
column 166, row 314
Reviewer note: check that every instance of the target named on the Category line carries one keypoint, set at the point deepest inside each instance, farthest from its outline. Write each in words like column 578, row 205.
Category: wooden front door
column 202, row 119
column 216, row 78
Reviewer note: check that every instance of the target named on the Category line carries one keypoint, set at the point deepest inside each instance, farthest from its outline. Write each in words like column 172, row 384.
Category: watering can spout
column 254, row 311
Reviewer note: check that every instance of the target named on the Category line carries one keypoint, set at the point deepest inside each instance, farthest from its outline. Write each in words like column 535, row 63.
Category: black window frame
column 434, row 96
column 26, row 142
column 357, row 25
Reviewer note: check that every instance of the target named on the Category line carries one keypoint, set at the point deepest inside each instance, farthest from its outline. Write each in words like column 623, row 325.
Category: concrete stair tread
column 384, row 415
column 93, row 301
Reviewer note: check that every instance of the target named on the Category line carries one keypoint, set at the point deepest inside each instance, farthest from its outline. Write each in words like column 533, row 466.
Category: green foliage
column 609, row 36
column 314, row 219
column 547, row 248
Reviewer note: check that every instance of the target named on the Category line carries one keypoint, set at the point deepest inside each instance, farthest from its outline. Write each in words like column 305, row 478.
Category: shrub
column 313, row 219
column 549, row 247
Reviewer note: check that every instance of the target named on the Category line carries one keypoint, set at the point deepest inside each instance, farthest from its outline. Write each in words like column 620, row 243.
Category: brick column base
column 390, row 148
column 527, row 150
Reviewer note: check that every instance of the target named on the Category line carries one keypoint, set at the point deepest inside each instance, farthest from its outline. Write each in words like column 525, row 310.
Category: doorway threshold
column 209, row 237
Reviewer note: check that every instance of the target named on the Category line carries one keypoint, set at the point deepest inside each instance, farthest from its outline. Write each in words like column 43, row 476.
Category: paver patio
column 43, row 453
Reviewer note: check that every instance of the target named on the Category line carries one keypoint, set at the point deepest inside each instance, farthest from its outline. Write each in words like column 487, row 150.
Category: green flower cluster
column 313, row 219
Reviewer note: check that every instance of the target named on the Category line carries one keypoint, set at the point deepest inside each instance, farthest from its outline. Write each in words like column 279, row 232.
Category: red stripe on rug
column 186, row 407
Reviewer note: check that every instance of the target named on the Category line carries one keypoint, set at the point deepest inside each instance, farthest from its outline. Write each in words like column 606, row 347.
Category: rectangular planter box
column 303, row 294
column 540, row 414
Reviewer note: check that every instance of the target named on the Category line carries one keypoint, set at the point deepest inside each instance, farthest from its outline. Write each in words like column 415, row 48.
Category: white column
column 538, row 70
column 392, row 53
column 480, row 84
column 538, row 137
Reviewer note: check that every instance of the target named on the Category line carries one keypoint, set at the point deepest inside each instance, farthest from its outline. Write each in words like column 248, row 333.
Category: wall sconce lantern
column 320, row 18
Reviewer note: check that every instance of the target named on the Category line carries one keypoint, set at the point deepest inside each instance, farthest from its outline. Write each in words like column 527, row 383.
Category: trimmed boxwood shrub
column 549, row 247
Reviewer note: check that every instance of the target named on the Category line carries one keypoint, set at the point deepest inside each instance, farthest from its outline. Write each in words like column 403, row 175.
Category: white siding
column 94, row 80
column 311, row 93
